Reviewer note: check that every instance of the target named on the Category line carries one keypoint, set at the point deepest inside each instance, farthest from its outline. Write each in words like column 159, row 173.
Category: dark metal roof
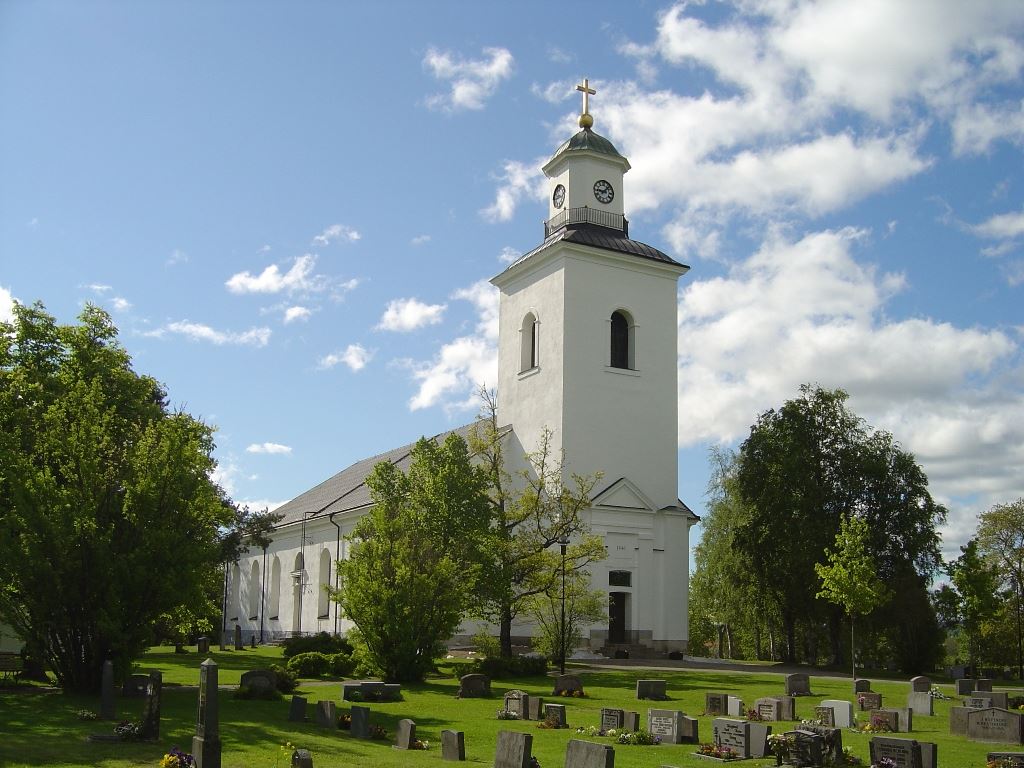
column 347, row 490
column 587, row 139
column 599, row 237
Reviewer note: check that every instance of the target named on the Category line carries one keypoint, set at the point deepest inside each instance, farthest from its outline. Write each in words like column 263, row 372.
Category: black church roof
column 605, row 238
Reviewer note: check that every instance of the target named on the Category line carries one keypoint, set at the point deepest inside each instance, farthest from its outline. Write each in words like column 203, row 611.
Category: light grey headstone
column 612, row 719
column 920, row 703
column 906, row 719
column 746, row 738
column 651, row 689
column 206, row 745
column 798, row 684
column 920, row 684
column 518, row 702
column 734, row 707
column 567, row 685
column 360, row 726
column 326, row 714
column 587, row 754
column 453, row 745
column 993, row 724
column 297, row 709
column 534, row 708
column 406, row 734
column 631, row 721
column 768, row 708
column 998, row 698
column 555, row 714
column 667, row 724
column 107, row 709
column 842, row 712
column 514, row 750
column 958, row 721
column 238, row 637
column 978, row 702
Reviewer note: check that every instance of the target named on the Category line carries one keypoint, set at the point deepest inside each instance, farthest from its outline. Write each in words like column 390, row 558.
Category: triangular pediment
column 623, row 494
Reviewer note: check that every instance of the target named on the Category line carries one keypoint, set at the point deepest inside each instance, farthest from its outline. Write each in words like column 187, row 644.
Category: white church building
column 588, row 349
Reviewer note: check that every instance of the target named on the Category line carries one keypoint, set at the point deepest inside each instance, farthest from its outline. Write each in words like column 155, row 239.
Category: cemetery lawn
column 40, row 727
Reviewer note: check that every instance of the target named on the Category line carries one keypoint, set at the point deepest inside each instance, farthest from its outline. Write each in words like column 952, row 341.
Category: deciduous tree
column 1001, row 538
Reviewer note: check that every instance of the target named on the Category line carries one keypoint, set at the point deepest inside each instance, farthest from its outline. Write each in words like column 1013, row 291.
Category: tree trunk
column 729, row 639
column 757, row 641
column 505, row 632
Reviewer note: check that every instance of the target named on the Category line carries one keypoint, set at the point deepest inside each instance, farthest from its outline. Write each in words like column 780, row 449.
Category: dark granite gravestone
column 825, row 716
column 587, row 754
column 670, row 726
column 808, row 749
column 534, row 708
column 259, row 680
column 920, row 684
column 831, row 742
column 518, row 702
column 651, row 689
column 297, row 710
column 767, row 709
column 302, row 758
column 612, row 719
column 149, row 728
column 983, row 684
column 1016, row 758
column 107, row 709
column 631, row 721
column 326, row 714
column 1000, row 725
column 798, row 684
column 904, row 753
column 514, row 750
column 964, row 686
column 715, row 703
column 206, row 746
column 370, row 690
column 238, row 637
column 202, row 645
column 453, row 745
column 406, row 734
column 134, row 686
column 252, row 641
column 359, row 728
column 567, row 685
column 745, row 738
column 554, row 714
column 888, row 716
column 842, row 712
column 474, row 686
column 860, row 685
column 868, row 700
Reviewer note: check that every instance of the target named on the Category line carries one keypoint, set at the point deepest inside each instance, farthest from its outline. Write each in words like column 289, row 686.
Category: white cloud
column 98, row 288
column 271, row 448
column 120, row 304
column 336, row 232
column 291, row 314
column 355, row 356
column 555, row 92
column 518, row 181
column 409, row 314
column 472, row 81
column 257, row 504
column 509, row 254
column 1002, row 226
column 420, row 240
column 6, row 305
column 299, row 278
column 255, row 337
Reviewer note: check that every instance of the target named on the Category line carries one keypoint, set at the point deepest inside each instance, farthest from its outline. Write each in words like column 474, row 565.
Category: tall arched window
column 528, row 340
column 621, row 340
column 324, row 603
column 254, row 590
column 274, row 608
column 234, row 605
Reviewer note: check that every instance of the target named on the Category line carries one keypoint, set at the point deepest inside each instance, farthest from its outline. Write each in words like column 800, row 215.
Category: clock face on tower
column 603, row 192
column 558, row 199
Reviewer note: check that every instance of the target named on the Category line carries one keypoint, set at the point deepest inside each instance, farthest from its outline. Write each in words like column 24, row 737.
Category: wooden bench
column 11, row 664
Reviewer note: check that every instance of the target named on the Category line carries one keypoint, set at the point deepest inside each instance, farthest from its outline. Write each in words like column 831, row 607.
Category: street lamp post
column 563, row 541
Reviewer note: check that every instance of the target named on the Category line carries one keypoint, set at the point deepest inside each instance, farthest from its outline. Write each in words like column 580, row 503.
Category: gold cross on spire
column 586, row 121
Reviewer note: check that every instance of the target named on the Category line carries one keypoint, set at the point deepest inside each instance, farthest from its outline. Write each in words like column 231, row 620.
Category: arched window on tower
column 529, row 336
column 274, row 608
column 621, row 340
column 255, row 590
column 324, row 601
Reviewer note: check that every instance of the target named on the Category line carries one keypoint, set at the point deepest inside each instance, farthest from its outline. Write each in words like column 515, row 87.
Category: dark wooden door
column 616, row 617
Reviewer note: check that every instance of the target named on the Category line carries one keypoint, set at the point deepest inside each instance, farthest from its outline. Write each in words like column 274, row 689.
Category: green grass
column 39, row 728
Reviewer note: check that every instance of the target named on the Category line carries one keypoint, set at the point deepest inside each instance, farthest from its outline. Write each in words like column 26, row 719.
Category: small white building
column 587, row 349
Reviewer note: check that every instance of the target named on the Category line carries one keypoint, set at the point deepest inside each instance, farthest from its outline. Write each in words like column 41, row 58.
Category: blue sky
column 291, row 209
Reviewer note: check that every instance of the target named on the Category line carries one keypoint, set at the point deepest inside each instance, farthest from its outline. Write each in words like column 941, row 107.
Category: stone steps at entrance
column 630, row 651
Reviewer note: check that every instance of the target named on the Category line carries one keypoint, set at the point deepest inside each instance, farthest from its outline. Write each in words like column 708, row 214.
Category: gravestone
column 997, row 698
column 107, row 691
column 920, row 702
column 297, row 710
column 767, row 709
column 957, row 670
column 995, row 724
column 798, row 684
column 631, row 721
column 517, row 702
column 326, row 714
column 983, row 684
column 904, row 753
column 260, row 680
column 868, row 700
column 134, row 686
column 474, row 686
column 514, row 750
column 958, row 721
column 406, row 734
column 978, row 702
column 149, row 729
column 453, row 745
column 920, row 684
column 370, row 690
column 534, row 708
column 734, row 707
column 714, row 703
column 1016, row 758
column 555, row 715
column 888, row 716
column 238, row 637
column 587, row 754
column 808, row 748
column 202, row 645
column 651, row 689
column 612, row 719
column 671, row 726
column 787, row 707
column 359, row 728
column 206, row 746
column 860, row 685
column 302, row 758
column 831, row 740
column 825, row 716
column 842, row 712
column 745, row 738
column 906, row 719
column 965, row 686
column 567, row 685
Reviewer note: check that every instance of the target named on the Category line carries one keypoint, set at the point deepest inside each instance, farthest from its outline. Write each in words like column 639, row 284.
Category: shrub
column 321, row 643
column 311, row 664
column 287, row 681
column 517, row 666
column 340, row 664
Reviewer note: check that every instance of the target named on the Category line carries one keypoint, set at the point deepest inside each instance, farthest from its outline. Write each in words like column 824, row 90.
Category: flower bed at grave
column 577, row 694
column 177, row 759
column 717, row 752
column 641, row 738
column 876, row 724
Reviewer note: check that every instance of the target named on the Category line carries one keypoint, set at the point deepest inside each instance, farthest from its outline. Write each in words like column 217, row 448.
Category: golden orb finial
column 586, row 121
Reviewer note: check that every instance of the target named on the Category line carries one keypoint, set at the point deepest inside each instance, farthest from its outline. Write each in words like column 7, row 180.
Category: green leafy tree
column 415, row 557
column 583, row 606
column 976, row 585
column 529, row 514
column 850, row 580
column 1001, row 538
column 108, row 516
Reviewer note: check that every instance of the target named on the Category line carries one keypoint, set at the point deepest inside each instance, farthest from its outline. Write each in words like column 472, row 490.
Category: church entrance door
column 617, row 604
